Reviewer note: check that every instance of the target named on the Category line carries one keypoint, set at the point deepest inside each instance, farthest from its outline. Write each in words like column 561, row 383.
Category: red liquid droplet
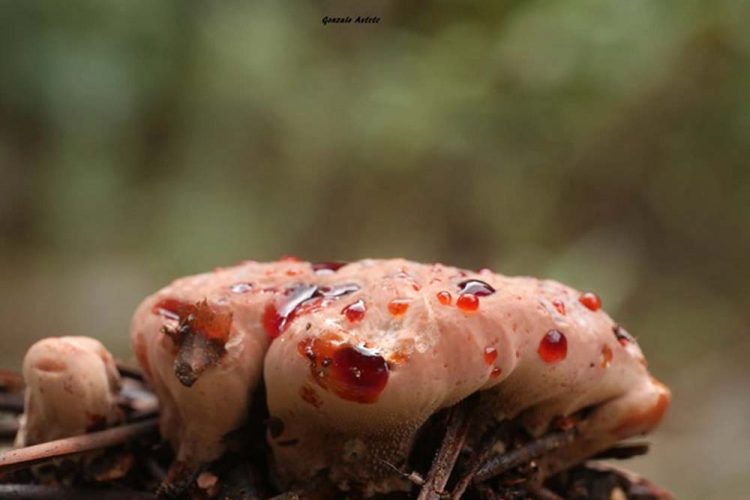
column 490, row 355
column 300, row 300
column 444, row 298
column 398, row 307
column 496, row 372
column 355, row 311
column 475, row 287
column 354, row 373
column 468, row 302
column 591, row 301
column 241, row 287
column 559, row 306
column 327, row 267
column 272, row 321
column 171, row 309
column 553, row 347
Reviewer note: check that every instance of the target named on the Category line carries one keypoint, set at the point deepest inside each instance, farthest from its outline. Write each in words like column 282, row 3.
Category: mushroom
column 72, row 386
column 356, row 358
column 201, row 344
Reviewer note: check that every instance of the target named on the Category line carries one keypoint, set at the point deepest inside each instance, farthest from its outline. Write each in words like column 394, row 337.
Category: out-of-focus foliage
column 602, row 143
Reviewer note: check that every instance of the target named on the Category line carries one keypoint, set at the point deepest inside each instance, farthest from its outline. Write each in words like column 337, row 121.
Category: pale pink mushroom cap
column 439, row 352
column 72, row 386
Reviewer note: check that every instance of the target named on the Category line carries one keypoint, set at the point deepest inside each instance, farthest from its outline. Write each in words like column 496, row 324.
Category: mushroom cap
column 339, row 414
column 196, row 418
column 72, row 385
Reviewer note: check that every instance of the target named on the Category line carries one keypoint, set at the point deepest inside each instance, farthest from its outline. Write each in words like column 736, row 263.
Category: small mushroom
column 72, row 385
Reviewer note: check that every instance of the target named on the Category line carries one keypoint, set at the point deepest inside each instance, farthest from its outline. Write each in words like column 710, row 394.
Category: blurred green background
column 603, row 143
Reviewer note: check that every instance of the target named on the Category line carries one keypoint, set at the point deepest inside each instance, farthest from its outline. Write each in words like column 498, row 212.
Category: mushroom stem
column 32, row 455
column 504, row 462
column 442, row 466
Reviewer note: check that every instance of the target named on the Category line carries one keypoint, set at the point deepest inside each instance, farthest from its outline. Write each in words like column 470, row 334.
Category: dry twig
column 533, row 449
column 31, row 455
column 458, row 426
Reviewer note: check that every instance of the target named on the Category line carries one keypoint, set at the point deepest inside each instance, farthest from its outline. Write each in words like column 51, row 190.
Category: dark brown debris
column 131, row 461
column 502, row 463
column 459, row 422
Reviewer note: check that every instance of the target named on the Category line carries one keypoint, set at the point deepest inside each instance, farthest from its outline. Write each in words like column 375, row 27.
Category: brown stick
column 533, row 449
column 445, row 460
column 31, row 455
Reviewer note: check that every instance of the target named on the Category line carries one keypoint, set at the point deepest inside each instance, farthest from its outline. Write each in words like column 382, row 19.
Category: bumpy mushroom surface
column 201, row 343
column 359, row 356
column 72, row 385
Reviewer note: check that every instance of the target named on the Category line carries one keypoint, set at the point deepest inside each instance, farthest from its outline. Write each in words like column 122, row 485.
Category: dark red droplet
column 358, row 374
column 398, row 307
column 467, row 302
column 272, row 321
column 490, row 355
column 553, row 347
column 444, row 298
column 475, row 287
column 277, row 317
column 327, row 267
column 355, row 311
column 354, row 373
column 170, row 309
column 591, row 301
column 559, row 306
column 496, row 372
